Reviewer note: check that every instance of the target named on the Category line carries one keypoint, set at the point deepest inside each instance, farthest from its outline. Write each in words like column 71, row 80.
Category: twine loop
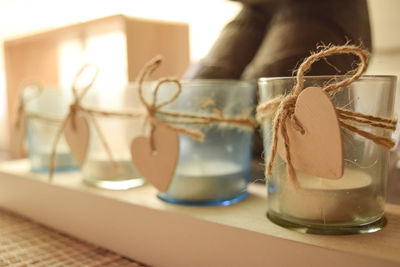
column 282, row 108
column 80, row 91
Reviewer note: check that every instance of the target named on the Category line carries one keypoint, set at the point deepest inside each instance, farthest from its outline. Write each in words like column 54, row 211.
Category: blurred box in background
column 118, row 45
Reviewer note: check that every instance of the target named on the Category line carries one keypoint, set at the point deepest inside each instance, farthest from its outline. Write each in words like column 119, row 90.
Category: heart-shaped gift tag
column 77, row 137
column 157, row 166
column 318, row 150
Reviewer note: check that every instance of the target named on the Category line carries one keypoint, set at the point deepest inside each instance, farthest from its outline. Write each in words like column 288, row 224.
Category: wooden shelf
column 137, row 224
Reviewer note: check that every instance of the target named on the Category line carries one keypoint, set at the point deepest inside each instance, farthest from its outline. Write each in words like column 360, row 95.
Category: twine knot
column 288, row 104
column 152, row 110
column 74, row 107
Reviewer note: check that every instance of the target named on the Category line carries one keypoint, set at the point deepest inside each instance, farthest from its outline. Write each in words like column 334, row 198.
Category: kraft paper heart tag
column 157, row 166
column 77, row 137
column 318, row 150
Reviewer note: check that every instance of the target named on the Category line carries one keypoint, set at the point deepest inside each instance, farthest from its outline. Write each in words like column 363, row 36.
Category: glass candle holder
column 214, row 171
column 98, row 169
column 353, row 203
column 45, row 113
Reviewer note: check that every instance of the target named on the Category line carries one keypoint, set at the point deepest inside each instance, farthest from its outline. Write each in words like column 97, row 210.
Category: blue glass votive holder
column 215, row 171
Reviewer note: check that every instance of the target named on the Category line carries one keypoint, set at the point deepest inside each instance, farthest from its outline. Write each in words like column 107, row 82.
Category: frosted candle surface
column 352, row 179
column 208, row 168
column 100, row 167
column 329, row 200
column 204, row 180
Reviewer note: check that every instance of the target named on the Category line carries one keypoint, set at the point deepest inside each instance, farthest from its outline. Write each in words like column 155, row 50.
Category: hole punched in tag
column 298, row 125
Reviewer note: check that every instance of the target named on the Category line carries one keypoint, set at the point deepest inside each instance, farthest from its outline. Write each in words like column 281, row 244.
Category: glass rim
column 363, row 77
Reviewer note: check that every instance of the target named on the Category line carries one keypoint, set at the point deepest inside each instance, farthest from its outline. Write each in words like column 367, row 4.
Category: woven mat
column 26, row 243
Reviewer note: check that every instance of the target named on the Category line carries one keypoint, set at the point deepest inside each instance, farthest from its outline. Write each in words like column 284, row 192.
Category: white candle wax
column 101, row 168
column 207, row 168
column 207, row 180
column 327, row 200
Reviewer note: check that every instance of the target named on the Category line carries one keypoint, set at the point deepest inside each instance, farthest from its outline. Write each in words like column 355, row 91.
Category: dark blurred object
column 236, row 46
column 270, row 38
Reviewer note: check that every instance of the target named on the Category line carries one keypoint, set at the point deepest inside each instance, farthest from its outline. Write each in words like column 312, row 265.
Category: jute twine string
column 152, row 109
column 282, row 108
column 23, row 116
column 75, row 107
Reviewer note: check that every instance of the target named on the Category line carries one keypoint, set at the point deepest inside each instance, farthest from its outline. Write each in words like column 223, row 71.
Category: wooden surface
column 149, row 38
column 27, row 243
column 136, row 223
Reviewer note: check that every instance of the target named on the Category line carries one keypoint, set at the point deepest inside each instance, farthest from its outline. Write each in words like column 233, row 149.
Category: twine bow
column 283, row 108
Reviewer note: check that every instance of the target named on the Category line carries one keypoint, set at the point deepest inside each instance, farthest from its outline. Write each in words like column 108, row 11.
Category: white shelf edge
column 160, row 237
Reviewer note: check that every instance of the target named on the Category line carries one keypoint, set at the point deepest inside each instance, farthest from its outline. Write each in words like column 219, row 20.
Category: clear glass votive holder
column 353, row 203
column 214, row 171
column 46, row 109
column 99, row 169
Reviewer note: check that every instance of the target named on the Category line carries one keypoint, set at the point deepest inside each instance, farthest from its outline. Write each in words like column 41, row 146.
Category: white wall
column 386, row 35
column 385, row 23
